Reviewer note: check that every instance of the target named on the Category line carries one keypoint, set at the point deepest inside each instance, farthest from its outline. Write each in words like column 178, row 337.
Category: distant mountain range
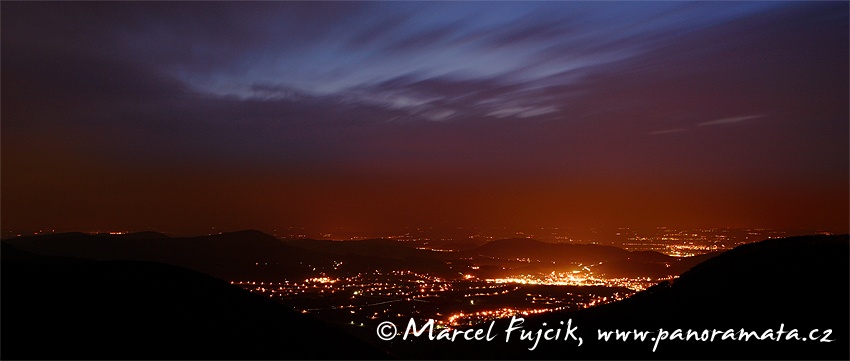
column 256, row 256
column 239, row 255
column 608, row 260
column 801, row 282
column 67, row 308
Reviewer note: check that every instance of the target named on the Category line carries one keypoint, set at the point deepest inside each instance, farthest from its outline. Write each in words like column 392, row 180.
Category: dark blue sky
column 184, row 115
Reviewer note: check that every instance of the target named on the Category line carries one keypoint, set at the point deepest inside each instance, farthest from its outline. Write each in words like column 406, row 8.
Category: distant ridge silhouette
column 229, row 256
column 257, row 256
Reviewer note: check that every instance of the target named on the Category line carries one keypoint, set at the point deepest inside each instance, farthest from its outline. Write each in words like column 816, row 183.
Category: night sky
column 182, row 116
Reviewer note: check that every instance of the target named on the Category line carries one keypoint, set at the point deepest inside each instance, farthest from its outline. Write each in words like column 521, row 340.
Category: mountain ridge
column 257, row 256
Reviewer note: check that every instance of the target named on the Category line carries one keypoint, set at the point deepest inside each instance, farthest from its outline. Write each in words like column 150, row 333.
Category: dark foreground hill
column 64, row 308
column 795, row 283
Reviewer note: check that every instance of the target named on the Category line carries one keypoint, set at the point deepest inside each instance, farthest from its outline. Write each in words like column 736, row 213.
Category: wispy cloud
column 731, row 120
column 667, row 131
column 523, row 112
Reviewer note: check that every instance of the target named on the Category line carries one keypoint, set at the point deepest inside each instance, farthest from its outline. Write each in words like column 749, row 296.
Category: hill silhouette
column 244, row 255
column 256, row 256
column 615, row 261
column 385, row 254
column 547, row 252
column 385, row 248
column 65, row 308
column 563, row 252
column 801, row 282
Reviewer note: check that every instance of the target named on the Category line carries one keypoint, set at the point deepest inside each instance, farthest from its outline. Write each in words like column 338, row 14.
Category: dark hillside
column 59, row 308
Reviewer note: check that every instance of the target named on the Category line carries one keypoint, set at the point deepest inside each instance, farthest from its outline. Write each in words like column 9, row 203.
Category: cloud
column 450, row 97
column 522, row 112
column 667, row 131
column 731, row 120
column 167, row 68
column 281, row 44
